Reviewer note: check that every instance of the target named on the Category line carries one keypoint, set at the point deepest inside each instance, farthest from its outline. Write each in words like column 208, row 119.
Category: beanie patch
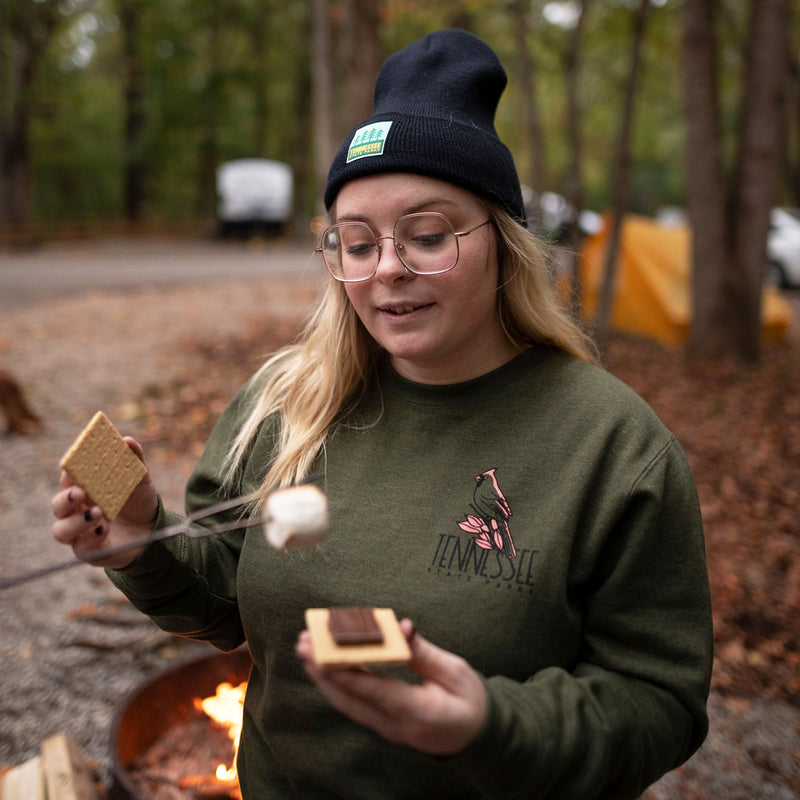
column 368, row 140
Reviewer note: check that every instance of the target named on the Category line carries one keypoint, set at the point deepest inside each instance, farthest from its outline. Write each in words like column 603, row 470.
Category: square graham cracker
column 328, row 655
column 103, row 465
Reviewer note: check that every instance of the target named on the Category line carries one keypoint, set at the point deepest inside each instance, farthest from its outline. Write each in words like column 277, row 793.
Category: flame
column 225, row 707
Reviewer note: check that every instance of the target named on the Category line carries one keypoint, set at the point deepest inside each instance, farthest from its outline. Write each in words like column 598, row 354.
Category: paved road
column 54, row 271
column 63, row 270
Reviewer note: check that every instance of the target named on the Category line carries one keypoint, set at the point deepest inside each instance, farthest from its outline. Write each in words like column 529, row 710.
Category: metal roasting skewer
column 186, row 528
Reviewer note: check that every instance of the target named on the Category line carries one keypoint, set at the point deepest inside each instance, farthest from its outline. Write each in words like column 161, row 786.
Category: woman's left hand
column 440, row 716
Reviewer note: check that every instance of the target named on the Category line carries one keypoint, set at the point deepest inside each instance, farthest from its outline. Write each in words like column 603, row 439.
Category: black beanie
column 433, row 114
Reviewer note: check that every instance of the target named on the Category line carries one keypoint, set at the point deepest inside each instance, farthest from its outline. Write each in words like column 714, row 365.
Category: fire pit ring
column 163, row 702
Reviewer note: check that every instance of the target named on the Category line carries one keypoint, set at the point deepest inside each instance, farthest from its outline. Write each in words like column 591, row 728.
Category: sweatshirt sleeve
column 188, row 586
column 634, row 704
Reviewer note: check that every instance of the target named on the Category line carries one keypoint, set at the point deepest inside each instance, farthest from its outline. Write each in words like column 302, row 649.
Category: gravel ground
column 70, row 645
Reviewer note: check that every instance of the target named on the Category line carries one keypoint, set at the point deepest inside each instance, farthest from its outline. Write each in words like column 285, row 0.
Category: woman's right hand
column 83, row 527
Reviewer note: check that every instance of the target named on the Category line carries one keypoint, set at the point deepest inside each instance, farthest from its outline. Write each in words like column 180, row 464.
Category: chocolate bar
column 354, row 625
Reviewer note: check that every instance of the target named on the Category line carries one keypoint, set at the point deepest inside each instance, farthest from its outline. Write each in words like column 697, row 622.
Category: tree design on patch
column 489, row 522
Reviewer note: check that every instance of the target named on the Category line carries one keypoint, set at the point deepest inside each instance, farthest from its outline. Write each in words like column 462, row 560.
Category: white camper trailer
column 255, row 196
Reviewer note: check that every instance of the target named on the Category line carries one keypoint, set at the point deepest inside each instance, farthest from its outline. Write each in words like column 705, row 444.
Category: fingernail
column 70, row 497
column 98, row 531
column 87, row 515
column 412, row 633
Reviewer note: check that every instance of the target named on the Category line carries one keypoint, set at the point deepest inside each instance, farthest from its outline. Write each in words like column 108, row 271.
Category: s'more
column 356, row 636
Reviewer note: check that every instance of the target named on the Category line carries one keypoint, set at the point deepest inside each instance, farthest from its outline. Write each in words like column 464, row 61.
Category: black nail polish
column 87, row 515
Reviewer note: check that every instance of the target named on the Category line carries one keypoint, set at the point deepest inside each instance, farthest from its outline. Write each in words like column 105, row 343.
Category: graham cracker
column 102, row 464
column 329, row 655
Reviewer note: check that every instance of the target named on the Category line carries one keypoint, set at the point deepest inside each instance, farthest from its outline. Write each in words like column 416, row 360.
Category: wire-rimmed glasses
column 426, row 243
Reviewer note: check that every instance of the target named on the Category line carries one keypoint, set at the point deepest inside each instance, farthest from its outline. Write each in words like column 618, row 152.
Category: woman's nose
column 390, row 267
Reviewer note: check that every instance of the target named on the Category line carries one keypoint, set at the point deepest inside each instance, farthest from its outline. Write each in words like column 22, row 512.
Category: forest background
column 124, row 109
column 95, row 92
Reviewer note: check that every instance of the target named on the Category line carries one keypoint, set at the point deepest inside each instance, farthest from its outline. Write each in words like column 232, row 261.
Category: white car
column 783, row 248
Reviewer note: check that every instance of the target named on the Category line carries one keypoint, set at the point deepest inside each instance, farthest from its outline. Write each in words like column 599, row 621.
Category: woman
column 525, row 510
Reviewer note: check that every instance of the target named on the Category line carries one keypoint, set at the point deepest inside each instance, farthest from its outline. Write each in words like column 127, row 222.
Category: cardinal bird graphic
column 489, row 523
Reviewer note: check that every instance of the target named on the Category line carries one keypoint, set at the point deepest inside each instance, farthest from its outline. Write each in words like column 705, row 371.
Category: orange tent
column 653, row 285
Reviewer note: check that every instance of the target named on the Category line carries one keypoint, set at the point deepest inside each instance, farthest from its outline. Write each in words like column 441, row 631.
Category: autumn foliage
column 740, row 428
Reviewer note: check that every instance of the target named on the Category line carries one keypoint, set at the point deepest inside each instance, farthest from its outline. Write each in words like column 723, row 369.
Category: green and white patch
column 368, row 141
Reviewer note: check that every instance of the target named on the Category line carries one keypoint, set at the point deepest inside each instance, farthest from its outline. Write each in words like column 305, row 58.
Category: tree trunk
column 208, row 155
column 729, row 230
column 792, row 156
column 756, row 173
column 621, row 178
column 705, row 183
column 260, row 40
column 363, row 59
column 322, row 95
column 30, row 27
column 530, row 105
column 15, row 164
column 133, row 90
column 573, row 182
column 306, row 196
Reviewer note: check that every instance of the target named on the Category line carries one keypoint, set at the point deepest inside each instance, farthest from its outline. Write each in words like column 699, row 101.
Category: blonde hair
column 313, row 383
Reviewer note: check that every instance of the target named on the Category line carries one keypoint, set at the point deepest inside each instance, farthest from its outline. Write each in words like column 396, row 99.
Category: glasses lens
column 426, row 243
column 350, row 251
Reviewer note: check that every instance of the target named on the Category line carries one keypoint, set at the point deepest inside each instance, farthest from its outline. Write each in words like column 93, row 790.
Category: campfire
column 225, row 708
column 178, row 736
column 183, row 773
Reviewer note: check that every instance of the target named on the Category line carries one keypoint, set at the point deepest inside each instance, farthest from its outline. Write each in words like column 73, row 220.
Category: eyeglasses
column 426, row 244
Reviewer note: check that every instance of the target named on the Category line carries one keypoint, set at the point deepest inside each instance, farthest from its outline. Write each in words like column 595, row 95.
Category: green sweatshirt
column 539, row 521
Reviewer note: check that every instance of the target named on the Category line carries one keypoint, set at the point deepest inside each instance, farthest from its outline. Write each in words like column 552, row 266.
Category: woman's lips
column 402, row 309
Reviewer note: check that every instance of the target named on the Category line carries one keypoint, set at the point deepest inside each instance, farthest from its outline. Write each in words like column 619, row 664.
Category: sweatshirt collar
column 473, row 390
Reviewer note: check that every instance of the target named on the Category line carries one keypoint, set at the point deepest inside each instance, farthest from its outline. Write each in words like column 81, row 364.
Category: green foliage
column 227, row 79
column 75, row 124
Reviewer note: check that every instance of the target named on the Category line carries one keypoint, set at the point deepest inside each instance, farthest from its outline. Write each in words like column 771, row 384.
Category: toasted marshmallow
column 296, row 517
